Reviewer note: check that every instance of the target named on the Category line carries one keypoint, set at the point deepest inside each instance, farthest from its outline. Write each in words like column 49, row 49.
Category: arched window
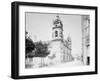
column 56, row 33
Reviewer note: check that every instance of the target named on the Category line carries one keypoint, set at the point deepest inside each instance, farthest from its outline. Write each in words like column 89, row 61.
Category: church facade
column 59, row 48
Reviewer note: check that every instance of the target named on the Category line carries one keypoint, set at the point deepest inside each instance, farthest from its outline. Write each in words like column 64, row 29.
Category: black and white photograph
column 51, row 40
column 56, row 40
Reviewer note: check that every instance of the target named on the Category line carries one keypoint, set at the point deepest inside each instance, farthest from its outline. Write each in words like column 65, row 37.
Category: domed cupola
column 57, row 22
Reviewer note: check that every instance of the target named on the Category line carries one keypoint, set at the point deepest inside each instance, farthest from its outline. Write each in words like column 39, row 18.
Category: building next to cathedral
column 86, row 39
column 60, row 48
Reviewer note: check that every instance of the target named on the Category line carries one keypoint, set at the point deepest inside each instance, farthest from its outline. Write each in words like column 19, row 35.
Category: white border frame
column 37, row 71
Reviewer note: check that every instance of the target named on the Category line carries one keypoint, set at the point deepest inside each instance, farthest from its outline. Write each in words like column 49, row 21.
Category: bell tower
column 57, row 30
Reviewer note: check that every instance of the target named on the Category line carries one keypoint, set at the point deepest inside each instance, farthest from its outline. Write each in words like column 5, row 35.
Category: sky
column 39, row 26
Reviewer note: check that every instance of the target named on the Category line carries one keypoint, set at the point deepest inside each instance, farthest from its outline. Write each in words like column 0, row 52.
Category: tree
column 29, row 46
column 41, row 51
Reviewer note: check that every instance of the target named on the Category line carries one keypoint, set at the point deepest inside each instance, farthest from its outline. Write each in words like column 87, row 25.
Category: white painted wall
column 5, row 40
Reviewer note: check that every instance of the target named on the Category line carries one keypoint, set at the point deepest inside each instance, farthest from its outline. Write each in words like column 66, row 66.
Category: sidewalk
column 72, row 63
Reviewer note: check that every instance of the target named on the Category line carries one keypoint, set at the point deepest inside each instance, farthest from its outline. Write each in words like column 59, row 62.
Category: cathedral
column 60, row 48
